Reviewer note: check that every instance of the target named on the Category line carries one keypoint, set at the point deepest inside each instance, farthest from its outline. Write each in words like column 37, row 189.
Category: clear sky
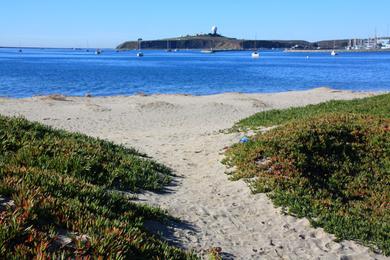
column 106, row 23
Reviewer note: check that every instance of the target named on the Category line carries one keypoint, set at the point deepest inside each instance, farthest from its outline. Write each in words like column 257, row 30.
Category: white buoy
column 255, row 55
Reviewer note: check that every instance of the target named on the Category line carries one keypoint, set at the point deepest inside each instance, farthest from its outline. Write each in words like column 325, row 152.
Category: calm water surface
column 76, row 72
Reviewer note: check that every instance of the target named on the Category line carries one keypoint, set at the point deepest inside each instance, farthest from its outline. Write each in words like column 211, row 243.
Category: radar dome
column 214, row 29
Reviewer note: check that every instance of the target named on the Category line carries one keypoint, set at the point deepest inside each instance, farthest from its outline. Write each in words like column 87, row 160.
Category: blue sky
column 98, row 23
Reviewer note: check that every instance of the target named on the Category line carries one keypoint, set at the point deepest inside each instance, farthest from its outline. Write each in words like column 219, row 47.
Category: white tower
column 214, row 30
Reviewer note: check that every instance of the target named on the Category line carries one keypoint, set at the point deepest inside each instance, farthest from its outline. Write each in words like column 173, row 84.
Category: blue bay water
column 77, row 72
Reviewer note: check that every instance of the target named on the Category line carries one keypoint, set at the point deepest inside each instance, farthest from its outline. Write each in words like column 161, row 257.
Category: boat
column 207, row 51
column 140, row 53
column 98, row 52
column 168, row 47
column 255, row 55
column 87, row 47
column 334, row 53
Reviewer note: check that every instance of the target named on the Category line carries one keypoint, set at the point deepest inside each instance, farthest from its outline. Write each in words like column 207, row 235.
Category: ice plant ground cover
column 329, row 163
column 60, row 196
column 377, row 105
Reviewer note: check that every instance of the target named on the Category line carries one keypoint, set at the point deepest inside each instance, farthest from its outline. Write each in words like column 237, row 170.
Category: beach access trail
column 186, row 134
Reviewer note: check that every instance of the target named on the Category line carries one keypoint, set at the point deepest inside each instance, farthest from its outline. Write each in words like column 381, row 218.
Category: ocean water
column 77, row 72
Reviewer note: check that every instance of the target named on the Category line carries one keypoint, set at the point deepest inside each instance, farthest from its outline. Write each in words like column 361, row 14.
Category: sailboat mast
column 256, row 42
column 376, row 40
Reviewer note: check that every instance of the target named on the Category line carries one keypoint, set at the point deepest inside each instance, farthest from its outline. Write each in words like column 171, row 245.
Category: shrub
column 61, row 202
column 333, row 169
column 93, row 160
column 378, row 105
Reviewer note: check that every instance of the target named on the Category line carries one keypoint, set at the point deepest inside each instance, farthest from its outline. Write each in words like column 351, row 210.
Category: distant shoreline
column 215, row 50
column 337, row 50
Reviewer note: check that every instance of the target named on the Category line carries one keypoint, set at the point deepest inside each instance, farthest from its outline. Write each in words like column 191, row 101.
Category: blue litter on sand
column 244, row 140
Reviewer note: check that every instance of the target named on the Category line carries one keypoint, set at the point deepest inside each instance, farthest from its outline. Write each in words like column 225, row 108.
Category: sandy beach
column 186, row 134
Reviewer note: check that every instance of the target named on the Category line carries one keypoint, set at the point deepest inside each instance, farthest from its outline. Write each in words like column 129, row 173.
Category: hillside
column 207, row 41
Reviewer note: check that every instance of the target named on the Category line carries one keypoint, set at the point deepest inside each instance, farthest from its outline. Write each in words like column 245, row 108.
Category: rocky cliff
column 207, row 41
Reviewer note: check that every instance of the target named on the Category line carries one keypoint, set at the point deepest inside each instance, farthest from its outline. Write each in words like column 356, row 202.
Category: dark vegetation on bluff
column 219, row 42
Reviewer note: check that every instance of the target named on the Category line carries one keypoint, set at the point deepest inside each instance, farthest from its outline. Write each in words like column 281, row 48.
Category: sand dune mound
column 157, row 106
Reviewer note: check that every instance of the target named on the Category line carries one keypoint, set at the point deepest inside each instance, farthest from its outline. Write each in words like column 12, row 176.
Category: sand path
column 183, row 132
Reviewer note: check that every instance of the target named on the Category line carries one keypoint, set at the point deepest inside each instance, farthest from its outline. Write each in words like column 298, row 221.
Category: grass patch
column 61, row 186
column 333, row 169
column 377, row 105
